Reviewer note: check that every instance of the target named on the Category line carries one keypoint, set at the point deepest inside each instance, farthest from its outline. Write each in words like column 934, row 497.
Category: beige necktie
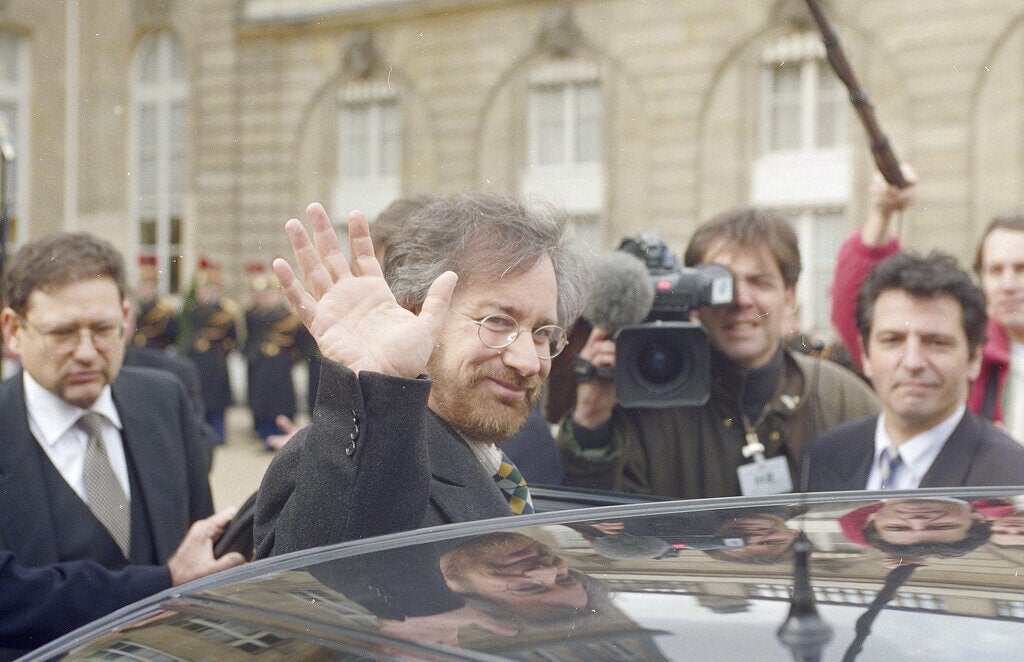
column 103, row 491
column 890, row 462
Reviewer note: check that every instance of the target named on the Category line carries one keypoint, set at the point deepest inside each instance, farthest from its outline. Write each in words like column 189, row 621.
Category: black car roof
column 669, row 580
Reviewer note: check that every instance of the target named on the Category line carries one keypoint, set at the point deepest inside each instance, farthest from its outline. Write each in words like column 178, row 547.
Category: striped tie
column 513, row 486
column 890, row 462
column 103, row 491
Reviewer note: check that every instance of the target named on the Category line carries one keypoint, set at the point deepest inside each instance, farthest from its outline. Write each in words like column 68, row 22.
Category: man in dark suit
column 40, row 604
column 921, row 322
column 389, row 450
column 96, row 462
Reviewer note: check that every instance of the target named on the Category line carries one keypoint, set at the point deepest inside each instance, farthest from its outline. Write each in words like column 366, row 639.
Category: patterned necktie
column 890, row 462
column 513, row 486
column 106, row 497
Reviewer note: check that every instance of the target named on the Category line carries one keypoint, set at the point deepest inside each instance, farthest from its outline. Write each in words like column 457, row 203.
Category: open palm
column 349, row 308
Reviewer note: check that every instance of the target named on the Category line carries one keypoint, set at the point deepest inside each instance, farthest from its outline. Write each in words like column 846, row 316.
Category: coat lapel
column 25, row 515
column 953, row 462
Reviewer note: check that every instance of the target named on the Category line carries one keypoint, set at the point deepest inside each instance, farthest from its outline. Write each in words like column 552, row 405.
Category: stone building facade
column 194, row 128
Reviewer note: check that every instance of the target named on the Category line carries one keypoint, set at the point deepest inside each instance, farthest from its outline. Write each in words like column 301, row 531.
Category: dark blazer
column 186, row 371
column 40, row 604
column 166, row 452
column 374, row 460
column 976, row 454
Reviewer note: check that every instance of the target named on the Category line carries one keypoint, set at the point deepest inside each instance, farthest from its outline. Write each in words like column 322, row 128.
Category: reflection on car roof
column 926, row 573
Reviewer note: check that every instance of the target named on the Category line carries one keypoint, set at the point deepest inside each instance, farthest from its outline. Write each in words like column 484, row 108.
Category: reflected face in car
column 1009, row 530
column 917, row 521
column 765, row 537
column 514, row 571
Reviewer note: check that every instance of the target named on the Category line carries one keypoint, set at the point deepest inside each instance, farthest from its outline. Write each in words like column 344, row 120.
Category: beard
column 481, row 416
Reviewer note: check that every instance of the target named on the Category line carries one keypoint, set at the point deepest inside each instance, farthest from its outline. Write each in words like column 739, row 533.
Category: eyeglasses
column 104, row 335
column 499, row 330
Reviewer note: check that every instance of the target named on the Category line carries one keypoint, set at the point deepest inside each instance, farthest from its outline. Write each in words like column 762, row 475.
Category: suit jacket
column 163, row 445
column 186, row 371
column 976, row 454
column 373, row 461
column 40, row 604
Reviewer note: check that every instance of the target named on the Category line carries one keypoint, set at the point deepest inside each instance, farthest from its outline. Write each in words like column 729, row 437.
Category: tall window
column 369, row 149
column 821, row 232
column 565, row 142
column 14, row 111
column 803, row 164
column 159, row 98
column 804, row 102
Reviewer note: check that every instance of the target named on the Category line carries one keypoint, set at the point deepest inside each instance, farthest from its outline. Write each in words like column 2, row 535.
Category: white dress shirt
column 916, row 453
column 52, row 421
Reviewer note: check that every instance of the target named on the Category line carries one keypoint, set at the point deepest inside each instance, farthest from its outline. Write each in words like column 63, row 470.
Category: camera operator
column 765, row 400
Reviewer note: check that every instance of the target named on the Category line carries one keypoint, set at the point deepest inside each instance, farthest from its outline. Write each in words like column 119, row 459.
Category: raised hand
column 349, row 308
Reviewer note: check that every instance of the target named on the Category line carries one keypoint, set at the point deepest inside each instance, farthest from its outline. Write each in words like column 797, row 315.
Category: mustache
column 508, row 377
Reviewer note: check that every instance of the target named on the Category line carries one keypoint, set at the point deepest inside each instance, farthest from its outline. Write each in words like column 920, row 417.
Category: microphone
column 622, row 294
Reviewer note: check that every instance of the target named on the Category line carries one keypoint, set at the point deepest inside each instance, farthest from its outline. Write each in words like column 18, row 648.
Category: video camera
column 665, row 361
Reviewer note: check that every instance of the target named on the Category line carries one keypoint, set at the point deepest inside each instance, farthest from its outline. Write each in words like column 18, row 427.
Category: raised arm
column 872, row 243
column 349, row 308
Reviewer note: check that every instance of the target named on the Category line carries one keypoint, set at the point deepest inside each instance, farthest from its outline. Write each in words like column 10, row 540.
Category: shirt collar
column 918, row 452
column 489, row 455
column 53, row 416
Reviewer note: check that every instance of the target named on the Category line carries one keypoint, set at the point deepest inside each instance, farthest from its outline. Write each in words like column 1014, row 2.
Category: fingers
column 364, row 261
column 286, row 425
column 229, row 560
column 326, row 240
column 438, row 300
column 217, row 522
column 314, row 272
column 302, row 301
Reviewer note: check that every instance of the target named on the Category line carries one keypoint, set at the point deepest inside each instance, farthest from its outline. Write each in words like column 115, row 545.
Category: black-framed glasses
column 105, row 335
column 499, row 330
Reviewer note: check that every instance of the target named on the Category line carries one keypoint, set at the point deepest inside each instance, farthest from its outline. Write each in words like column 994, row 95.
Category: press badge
column 765, row 477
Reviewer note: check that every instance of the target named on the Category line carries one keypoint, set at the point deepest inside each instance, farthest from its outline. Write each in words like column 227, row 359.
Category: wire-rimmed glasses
column 499, row 330
column 104, row 335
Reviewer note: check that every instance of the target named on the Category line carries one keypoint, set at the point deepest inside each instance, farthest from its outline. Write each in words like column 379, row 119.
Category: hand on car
column 194, row 557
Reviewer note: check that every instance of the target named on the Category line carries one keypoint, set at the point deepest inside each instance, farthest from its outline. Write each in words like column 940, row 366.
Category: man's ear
column 865, row 365
column 10, row 322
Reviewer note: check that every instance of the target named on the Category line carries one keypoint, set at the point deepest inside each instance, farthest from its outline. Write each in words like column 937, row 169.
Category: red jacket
column 853, row 263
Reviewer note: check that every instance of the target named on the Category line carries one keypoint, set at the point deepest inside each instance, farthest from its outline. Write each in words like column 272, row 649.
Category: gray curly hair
column 482, row 236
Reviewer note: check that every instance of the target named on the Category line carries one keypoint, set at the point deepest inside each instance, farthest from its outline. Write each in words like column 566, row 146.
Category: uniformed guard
column 212, row 320
column 271, row 352
column 156, row 323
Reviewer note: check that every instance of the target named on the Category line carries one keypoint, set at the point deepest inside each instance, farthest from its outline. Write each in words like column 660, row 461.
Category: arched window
column 803, row 165
column 369, row 148
column 15, row 113
column 565, row 142
column 159, row 103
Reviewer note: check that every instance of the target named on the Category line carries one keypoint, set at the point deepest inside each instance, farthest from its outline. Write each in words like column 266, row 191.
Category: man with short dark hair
column 922, row 325
column 765, row 399
column 998, row 392
column 98, row 461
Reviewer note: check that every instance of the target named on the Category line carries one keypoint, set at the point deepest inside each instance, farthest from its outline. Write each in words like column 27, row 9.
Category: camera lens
column 659, row 363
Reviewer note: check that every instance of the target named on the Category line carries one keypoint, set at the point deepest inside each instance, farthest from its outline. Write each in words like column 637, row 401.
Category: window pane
column 785, row 107
column 829, row 124
column 549, row 124
column 391, row 144
column 589, row 121
column 355, row 141
column 147, row 234
column 8, row 57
